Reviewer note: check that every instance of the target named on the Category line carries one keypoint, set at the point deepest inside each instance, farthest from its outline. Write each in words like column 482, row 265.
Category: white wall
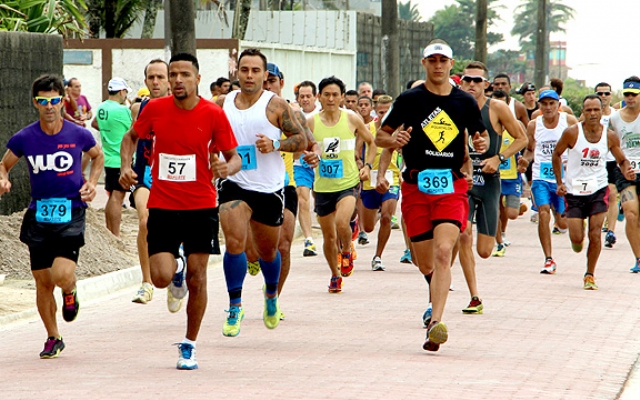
column 90, row 77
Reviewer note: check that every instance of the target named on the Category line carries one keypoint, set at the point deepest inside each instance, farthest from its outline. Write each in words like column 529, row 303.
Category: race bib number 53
column 177, row 168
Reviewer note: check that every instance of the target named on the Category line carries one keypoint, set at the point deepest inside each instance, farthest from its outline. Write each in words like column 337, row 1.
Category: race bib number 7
column 177, row 168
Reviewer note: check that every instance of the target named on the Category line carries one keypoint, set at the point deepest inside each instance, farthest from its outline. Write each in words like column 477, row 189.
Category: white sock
column 310, row 239
column 191, row 342
column 180, row 265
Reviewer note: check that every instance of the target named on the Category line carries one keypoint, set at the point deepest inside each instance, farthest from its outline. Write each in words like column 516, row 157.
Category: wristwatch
column 369, row 165
column 276, row 145
column 501, row 157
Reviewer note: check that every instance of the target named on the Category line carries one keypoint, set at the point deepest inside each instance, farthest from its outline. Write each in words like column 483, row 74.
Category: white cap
column 438, row 48
column 117, row 84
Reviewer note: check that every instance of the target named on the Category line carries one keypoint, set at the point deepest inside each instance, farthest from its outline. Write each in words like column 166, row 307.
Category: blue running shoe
column 178, row 286
column 636, row 268
column 426, row 317
column 610, row 239
column 187, row 357
column 406, row 257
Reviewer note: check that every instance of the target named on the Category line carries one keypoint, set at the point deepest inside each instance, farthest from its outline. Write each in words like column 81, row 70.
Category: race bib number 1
column 435, row 181
column 53, row 211
column 177, row 168
column 248, row 155
column 331, row 169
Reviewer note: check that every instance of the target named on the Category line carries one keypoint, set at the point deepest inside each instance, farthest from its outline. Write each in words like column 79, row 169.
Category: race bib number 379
column 177, row 168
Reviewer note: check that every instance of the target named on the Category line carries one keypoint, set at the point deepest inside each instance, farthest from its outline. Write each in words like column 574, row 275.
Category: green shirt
column 114, row 120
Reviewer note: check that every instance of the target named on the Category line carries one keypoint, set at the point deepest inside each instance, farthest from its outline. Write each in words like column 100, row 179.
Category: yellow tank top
column 509, row 168
column 393, row 166
column 287, row 157
column 337, row 170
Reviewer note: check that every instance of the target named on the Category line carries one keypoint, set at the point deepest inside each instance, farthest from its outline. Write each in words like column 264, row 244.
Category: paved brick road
column 541, row 337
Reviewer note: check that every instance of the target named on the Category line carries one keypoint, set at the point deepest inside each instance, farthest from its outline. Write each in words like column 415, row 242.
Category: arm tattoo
column 288, row 124
column 311, row 140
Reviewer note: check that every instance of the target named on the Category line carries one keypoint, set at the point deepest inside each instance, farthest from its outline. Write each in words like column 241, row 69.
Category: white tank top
column 260, row 172
column 629, row 134
column 586, row 168
column 512, row 107
column 605, row 122
column 546, row 140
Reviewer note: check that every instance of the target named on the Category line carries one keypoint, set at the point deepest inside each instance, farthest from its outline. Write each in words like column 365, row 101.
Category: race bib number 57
column 177, row 168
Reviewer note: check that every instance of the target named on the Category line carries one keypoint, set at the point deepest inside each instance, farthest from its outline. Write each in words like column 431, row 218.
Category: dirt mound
column 101, row 253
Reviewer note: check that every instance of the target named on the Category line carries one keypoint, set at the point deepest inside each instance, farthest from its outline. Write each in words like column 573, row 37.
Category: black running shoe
column 52, row 347
column 70, row 305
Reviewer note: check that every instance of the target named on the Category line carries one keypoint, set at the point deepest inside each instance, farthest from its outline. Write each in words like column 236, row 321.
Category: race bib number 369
column 177, row 168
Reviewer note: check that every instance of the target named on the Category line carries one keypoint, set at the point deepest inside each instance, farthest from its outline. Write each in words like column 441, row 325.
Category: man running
column 544, row 132
column 156, row 77
column 338, row 177
column 528, row 93
column 254, row 197
column 437, row 176
column 626, row 124
column 585, row 187
column 188, row 132
column 503, row 82
column 53, row 225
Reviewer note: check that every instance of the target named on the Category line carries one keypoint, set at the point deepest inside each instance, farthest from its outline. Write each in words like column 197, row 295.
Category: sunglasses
column 603, row 93
column 474, row 79
column 630, row 94
column 43, row 101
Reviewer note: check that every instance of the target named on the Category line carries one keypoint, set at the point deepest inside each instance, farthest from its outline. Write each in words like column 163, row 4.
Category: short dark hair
column 156, row 61
column 186, row 57
column 310, row 84
column 592, row 96
column 332, row 80
column 503, row 75
column 351, row 93
column 595, row 88
column 369, row 99
column 235, row 83
column 222, row 80
column 478, row 65
column 557, row 85
column 253, row 52
column 378, row 92
column 213, row 85
column 46, row 83
column 113, row 92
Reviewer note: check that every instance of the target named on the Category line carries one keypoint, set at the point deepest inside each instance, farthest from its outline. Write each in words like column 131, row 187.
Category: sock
column 271, row 273
column 235, row 269
column 180, row 264
column 588, row 273
column 309, row 239
column 191, row 342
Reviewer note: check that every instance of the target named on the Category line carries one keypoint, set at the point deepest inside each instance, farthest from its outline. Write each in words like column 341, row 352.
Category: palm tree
column 65, row 17
column 525, row 22
column 408, row 11
column 115, row 17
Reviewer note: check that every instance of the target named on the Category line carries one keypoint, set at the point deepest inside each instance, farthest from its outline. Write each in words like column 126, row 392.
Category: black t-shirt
column 438, row 125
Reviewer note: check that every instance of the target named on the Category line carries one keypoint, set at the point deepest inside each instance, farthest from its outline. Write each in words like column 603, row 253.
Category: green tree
column 151, row 8
column 409, row 12
column 456, row 25
column 65, row 17
column 114, row 17
column 525, row 24
column 505, row 60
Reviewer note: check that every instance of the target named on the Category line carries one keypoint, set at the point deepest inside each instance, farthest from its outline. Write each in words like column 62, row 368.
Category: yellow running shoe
column 253, row 267
column 499, row 251
column 271, row 315
column 474, row 307
column 173, row 304
column 231, row 326
column 590, row 283
column 145, row 294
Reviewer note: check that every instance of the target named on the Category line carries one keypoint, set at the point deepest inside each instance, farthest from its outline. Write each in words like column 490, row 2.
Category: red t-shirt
column 182, row 143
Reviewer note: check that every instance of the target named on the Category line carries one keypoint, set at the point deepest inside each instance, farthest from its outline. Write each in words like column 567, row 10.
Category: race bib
column 53, row 211
column 331, row 169
column 248, row 155
column 373, row 175
column 635, row 164
column 583, row 187
column 505, row 165
column 546, row 171
column 177, row 168
column 435, row 181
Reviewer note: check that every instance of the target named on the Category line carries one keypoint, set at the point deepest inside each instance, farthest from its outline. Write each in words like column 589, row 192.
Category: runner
column 337, row 178
column 365, row 109
column 188, row 132
column 528, row 92
column 626, row 124
column 351, row 101
column 544, row 133
column 53, row 225
column 156, row 77
column 503, row 82
column 254, row 197
column 437, row 174
column 484, row 197
column 586, row 189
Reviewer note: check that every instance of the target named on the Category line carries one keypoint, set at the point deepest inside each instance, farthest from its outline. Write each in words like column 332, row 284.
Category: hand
column 523, row 164
column 480, row 144
column 562, row 190
column 382, row 184
column 311, row 158
column 264, row 144
column 490, row 165
column 402, row 137
column 469, row 179
column 127, row 177
column 629, row 175
column 364, row 173
column 88, row 192
column 5, row 186
column 219, row 168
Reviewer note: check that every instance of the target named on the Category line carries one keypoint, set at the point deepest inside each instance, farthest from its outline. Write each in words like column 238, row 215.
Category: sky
column 599, row 39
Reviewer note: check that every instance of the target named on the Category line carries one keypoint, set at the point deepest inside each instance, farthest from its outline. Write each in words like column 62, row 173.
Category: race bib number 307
column 177, row 168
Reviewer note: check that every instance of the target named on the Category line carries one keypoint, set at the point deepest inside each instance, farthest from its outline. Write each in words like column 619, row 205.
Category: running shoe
column 549, row 267
column 394, row 222
column 231, row 326
column 186, row 356
column 52, row 347
column 145, row 294
column 354, row 253
column 406, row 257
column 535, row 217
column 363, row 238
column 71, row 305
column 474, row 307
column 610, row 239
column 556, row 231
column 620, row 212
column 346, row 266
column 499, row 251
column 282, row 317
column 309, row 249
column 590, row 283
column 335, row 286
column 174, row 305
column 426, row 317
column 376, row 264
column 253, row 267
column 636, row 268
column 505, row 241
column 178, row 285
column 436, row 335
column 271, row 315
